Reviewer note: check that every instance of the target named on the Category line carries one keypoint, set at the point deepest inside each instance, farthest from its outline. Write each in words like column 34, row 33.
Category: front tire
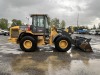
column 28, row 44
column 62, row 44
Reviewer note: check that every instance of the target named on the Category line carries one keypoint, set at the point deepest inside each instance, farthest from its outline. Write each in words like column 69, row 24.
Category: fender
column 54, row 39
column 22, row 35
column 64, row 33
column 19, row 37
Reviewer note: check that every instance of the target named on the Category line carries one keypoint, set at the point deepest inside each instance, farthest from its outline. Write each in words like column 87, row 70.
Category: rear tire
column 67, row 44
column 33, row 44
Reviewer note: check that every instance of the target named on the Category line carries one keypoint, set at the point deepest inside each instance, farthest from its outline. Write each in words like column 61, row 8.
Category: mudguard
column 55, row 38
column 22, row 35
column 64, row 33
column 19, row 37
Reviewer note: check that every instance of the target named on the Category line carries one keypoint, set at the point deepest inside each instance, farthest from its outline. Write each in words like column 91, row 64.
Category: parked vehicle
column 5, row 33
column 92, row 32
column 98, row 33
column 75, row 32
column 1, row 32
column 82, row 31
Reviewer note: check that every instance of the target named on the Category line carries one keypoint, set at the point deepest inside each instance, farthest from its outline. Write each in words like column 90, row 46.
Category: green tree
column 62, row 25
column 76, row 28
column 49, row 20
column 86, row 27
column 55, row 22
column 99, row 26
column 3, row 23
column 94, row 27
column 16, row 22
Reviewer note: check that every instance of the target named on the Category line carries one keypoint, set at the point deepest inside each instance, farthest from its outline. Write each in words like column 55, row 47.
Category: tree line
column 55, row 21
column 4, row 23
column 94, row 27
column 80, row 28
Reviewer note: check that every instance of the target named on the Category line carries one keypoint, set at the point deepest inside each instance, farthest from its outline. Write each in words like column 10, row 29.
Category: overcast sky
column 89, row 10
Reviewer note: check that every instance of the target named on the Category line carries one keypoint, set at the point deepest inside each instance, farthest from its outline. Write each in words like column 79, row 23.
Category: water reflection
column 43, row 63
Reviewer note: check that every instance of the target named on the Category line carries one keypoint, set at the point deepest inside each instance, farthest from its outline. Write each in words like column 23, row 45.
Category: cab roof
column 38, row 15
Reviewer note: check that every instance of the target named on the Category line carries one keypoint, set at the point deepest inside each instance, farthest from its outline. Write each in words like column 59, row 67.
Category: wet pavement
column 13, row 61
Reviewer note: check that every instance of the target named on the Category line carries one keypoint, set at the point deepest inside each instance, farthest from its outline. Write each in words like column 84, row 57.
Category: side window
column 34, row 22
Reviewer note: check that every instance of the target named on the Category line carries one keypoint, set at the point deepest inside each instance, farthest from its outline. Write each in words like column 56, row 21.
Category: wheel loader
column 39, row 34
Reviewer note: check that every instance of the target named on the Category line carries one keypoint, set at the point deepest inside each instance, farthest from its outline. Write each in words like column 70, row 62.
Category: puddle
column 28, row 63
column 1, row 44
column 47, row 63
column 96, row 46
column 15, row 62
column 0, row 56
column 4, row 50
column 53, row 64
column 77, row 67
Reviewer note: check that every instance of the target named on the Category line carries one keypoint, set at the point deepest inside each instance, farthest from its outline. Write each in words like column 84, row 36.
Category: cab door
column 38, row 24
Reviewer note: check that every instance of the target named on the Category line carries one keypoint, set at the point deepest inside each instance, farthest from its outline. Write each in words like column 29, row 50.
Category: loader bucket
column 83, row 44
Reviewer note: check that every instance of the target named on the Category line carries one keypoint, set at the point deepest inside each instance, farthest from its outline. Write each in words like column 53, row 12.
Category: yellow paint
column 66, row 29
column 72, row 28
column 41, row 40
column 63, row 44
column 53, row 34
column 15, row 27
column 10, row 39
column 13, row 40
column 29, row 32
column 27, row 44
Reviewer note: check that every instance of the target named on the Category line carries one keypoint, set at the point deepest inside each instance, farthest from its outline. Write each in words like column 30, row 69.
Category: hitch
column 83, row 44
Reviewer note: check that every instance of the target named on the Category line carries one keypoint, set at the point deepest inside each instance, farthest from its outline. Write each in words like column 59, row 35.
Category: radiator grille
column 14, row 33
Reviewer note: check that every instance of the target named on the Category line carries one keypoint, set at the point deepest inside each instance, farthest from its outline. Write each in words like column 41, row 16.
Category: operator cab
column 40, row 24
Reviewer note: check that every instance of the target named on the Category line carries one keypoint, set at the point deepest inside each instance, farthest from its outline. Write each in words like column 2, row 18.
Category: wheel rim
column 27, row 44
column 63, row 44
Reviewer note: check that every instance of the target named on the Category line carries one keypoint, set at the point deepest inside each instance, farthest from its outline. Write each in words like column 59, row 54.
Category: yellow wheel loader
column 40, row 34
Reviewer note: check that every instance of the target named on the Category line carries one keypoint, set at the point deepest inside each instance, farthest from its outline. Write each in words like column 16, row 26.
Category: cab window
column 40, row 21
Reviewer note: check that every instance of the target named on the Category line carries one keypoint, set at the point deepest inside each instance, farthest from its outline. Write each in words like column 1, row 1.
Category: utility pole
column 78, row 19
